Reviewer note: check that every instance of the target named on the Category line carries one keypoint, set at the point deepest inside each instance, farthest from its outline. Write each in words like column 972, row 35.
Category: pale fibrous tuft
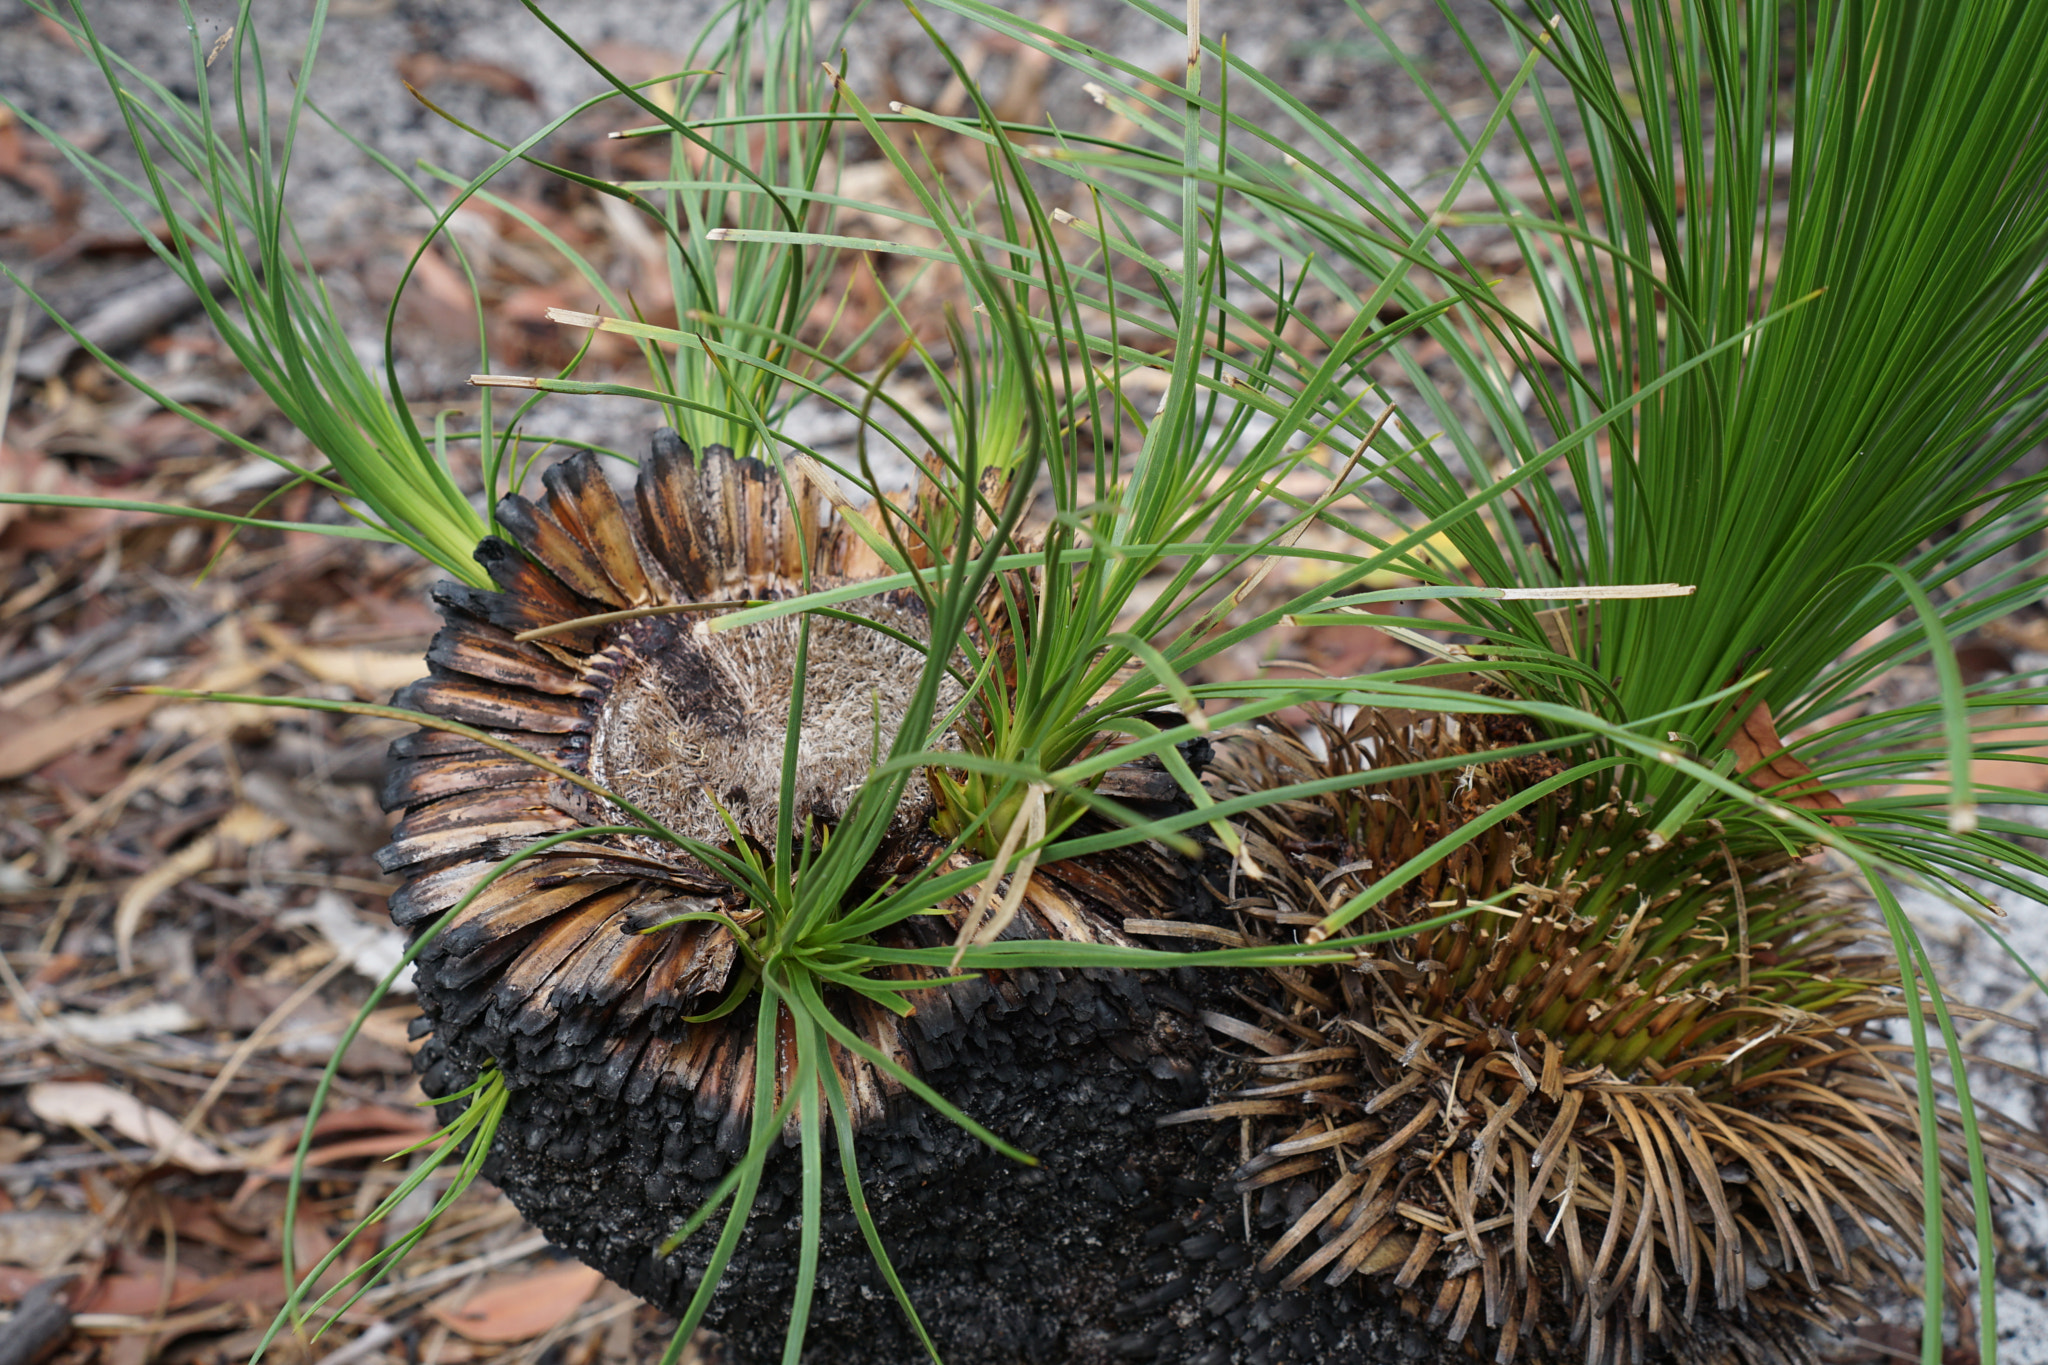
column 690, row 724
column 1639, row 1107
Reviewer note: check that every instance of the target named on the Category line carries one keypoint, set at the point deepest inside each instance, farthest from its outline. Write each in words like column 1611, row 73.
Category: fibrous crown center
column 689, row 720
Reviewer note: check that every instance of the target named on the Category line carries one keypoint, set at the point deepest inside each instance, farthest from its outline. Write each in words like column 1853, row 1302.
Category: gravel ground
column 1977, row 971
column 493, row 65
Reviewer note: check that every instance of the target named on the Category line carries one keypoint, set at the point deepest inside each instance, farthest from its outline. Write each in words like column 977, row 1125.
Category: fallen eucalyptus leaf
column 88, row 1104
column 519, row 1308
column 152, row 1020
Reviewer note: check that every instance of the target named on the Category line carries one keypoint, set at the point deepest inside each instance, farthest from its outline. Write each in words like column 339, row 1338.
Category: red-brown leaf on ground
column 635, row 62
column 16, row 1280
column 1766, row 763
column 262, row 1290
column 32, row 741
column 439, row 299
column 524, row 338
column 198, row 1220
column 17, row 165
column 380, row 1118
column 94, row 772
column 139, row 1289
column 28, row 530
column 422, row 69
column 140, row 1294
column 1342, row 651
column 2025, row 768
column 55, row 969
column 377, row 1144
column 517, row 1307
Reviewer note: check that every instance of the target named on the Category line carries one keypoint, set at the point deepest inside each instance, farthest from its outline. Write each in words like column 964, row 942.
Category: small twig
column 40, row 1321
column 373, row 1340
column 74, row 892
column 10, row 350
column 2019, row 997
column 1174, row 928
column 250, row 1046
column 449, row 1273
column 23, row 1001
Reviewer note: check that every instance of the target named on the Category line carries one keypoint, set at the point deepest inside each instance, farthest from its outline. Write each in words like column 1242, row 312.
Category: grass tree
column 1530, row 1003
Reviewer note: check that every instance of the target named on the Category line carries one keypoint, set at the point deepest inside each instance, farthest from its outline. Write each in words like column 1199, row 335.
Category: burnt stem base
column 1120, row 1245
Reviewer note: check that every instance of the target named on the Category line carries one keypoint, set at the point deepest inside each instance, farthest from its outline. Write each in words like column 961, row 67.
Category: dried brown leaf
column 88, row 1104
column 1766, row 763
column 517, row 1308
column 27, row 748
column 422, row 69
